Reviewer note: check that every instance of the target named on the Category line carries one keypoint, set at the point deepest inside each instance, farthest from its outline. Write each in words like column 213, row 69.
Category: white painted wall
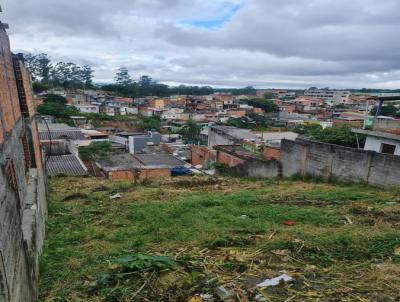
column 374, row 144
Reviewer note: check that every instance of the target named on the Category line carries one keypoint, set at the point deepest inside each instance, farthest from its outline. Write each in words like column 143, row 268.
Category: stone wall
column 22, row 182
column 304, row 157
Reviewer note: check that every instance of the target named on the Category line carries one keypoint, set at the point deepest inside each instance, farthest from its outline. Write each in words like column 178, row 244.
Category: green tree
column 388, row 110
column 86, row 74
column 54, row 98
column 266, row 105
column 68, row 75
column 40, row 87
column 39, row 67
column 57, row 109
column 190, row 131
column 341, row 135
column 95, row 151
column 145, row 81
column 122, row 77
column 151, row 123
column 269, row 95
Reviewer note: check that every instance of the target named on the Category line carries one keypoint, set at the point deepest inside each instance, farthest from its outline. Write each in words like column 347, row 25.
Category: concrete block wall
column 257, row 168
column 384, row 169
column 303, row 157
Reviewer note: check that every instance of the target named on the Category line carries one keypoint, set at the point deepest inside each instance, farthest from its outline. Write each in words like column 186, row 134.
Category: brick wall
column 9, row 104
column 144, row 174
column 237, row 113
column 387, row 125
column 121, row 175
column 228, row 159
column 202, row 155
column 22, row 188
column 340, row 122
column 272, row 153
column 158, row 173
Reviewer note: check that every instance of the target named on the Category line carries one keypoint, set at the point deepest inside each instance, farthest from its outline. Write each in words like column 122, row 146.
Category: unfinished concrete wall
column 305, row 157
column 22, row 185
column 257, row 168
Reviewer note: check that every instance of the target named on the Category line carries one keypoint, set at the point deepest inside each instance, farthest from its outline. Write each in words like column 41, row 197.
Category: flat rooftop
column 159, row 159
column 380, row 134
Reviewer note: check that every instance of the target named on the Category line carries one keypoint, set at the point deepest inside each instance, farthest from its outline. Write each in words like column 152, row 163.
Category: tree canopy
column 95, row 151
column 46, row 74
column 190, row 132
column 266, row 105
column 340, row 135
column 388, row 110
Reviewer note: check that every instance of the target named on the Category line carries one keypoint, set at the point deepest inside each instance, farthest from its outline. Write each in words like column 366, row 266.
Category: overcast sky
column 264, row 43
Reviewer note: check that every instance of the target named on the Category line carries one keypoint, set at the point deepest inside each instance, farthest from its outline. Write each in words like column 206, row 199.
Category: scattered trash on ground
column 275, row 281
column 244, row 217
column 206, row 297
column 116, row 196
column 289, row 222
column 223, row 293
column 260, row 298
column 348, row 220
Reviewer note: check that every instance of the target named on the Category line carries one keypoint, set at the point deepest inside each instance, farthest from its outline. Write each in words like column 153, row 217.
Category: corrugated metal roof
column 66, row 164
column 55, row 127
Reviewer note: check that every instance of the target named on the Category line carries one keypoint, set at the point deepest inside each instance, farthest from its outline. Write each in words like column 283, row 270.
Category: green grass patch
column 208, row 227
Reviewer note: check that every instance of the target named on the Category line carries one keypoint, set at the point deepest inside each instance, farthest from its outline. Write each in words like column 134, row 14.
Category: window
column 388, row 149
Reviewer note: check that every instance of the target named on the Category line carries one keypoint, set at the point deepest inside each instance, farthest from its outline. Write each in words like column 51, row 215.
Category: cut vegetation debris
column 181, row 240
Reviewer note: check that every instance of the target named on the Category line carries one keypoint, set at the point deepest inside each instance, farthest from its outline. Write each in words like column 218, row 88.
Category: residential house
column 158, row 103
column 88, row 108
column 384, row 137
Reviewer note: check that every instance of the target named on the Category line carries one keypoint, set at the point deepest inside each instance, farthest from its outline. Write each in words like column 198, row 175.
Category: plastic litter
column 223, row 293
column 207, row 297
column 116, row 196
column 260, row 298
column 275, row 281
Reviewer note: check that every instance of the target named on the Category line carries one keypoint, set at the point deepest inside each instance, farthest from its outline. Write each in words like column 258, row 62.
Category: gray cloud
column 296, row 43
